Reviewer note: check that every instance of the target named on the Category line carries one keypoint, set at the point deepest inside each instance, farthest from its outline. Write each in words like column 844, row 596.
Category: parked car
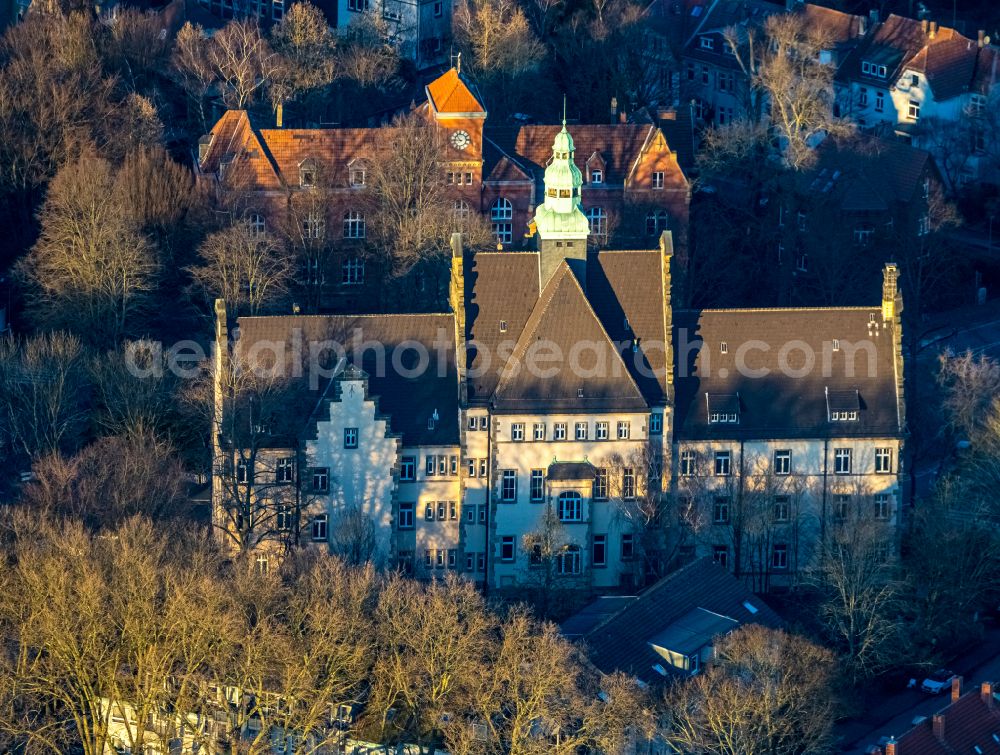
column 938, row 681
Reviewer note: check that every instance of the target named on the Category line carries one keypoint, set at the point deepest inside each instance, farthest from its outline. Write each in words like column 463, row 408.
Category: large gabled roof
column 588, row 373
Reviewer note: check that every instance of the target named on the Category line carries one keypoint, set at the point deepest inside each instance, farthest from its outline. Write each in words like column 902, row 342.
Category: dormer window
column 307, row 174
column 357, row 176
column 707, row 43
column 873, row 69
column 596, row 176
column 723, row 408
column 843, row 406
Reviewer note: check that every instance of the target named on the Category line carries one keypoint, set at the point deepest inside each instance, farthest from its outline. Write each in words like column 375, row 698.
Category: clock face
column 460, row 139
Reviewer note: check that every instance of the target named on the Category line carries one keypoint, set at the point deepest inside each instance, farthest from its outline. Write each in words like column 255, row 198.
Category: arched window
column 501, row 214
column 256, row 225
column 656, row 222
column 354, row 225
column 569, row 560
column 598, row 220
column 570, row 507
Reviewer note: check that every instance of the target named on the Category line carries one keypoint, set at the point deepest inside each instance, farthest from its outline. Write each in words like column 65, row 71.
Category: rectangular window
column 783, row 462
column 689, row 464
column 601, row 429
column 781, row 508
column 484, row 423
column 408, row 468
column 658, row 179
column 570, row 507
column 863, row 97
column 321, row 479
column 428, row 558
column 883, row 461
column 507, row 548
column 581, row 431
column 723, row 462
column 441, row 509
column 452, row 510
column 913, row 111
column 452, row 556
column 508, row 489
column 628, row 547
column 779, row 557
column 471, row 467
column 350, row 437
column 882, row 506
column 538, row 431
column 655, row 423
column 243, row 475
column 841, row 507
column 720, row 510
column 503, row 232
column 285, row 471
column 596, row 176
column 706, row 43
column 406, row 515
column 482, row 514
column 439, row 558
column 720, row 554
column 352, row 271
column 879, row 102
column 358, row 6
column 453, row 465
column 842, row 461
column 429, row 512
column 483, row 468
column 628, row 483
column 480, row 562
column 283, row 518
column 601, row 484
column 470, row 514
column 431, row 465
column 319, row 528
column 517, row 431
column 559, row 431
column 470, row 561
column 600, row 551
column 624, row 428
column 537, row 484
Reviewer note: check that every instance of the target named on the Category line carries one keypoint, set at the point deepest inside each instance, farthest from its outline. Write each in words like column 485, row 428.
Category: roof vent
column 503, row 326
column 659, row 669
column 750, row 606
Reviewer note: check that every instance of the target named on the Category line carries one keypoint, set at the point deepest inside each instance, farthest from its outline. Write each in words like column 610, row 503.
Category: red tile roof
column 971, row 725
column 450, row 94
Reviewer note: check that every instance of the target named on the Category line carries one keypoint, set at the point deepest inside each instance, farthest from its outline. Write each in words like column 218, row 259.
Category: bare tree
column 767, row 691
column 496, row 37
column 194, row 68
column 548, row 577
column 91, row 271
column 365, row 55
column 44, row 393
column 970, row 385
column 306, row 53
column 242, row 60
column 250, row 270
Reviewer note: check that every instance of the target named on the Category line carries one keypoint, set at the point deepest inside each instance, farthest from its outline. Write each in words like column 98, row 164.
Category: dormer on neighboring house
column 357, row 173
column 596, row 169
column 307, row 173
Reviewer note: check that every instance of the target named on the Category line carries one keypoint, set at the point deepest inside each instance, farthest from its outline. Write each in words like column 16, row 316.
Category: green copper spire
column 560, row 215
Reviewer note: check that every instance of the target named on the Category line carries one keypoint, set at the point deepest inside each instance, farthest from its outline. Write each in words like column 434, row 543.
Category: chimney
column 925, row 25
column 937, row 726
column 279, row 115
column 986, row 694
column 622, row 117
column 890, row 292
column 890, row 747
column 981, row 37
column 614, row 108
column 934, row 29
column 873, row 17
column 666, row 114
column 956, row 689
column 862, row 25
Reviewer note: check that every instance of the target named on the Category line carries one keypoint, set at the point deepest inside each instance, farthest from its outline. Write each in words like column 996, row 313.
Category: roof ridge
column 355, row 316
column 853, row 308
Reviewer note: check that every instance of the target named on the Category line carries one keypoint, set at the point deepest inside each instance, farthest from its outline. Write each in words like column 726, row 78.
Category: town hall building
column 565, row 424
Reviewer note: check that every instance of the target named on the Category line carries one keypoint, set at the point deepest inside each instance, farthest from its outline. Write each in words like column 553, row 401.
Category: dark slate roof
column 778, row 405
column 866, row 174
column 571, row 470
column 602, row 609
column 722, row 15
column 621, row 642
column 598, row 381
column 501, row 288
column 408, row 400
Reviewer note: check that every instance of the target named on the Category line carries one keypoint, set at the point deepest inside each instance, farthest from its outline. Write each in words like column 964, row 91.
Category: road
column 893, row 714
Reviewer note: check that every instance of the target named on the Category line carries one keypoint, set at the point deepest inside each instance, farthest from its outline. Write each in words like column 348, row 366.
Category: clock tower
column 561, row 226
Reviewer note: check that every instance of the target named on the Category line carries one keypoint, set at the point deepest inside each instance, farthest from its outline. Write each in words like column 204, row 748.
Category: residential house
column 668, row 630
column 861, row 204
column 919, row 79
column 969, row 723
column 714, row 75
column 310, row 184
column 515, row 437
